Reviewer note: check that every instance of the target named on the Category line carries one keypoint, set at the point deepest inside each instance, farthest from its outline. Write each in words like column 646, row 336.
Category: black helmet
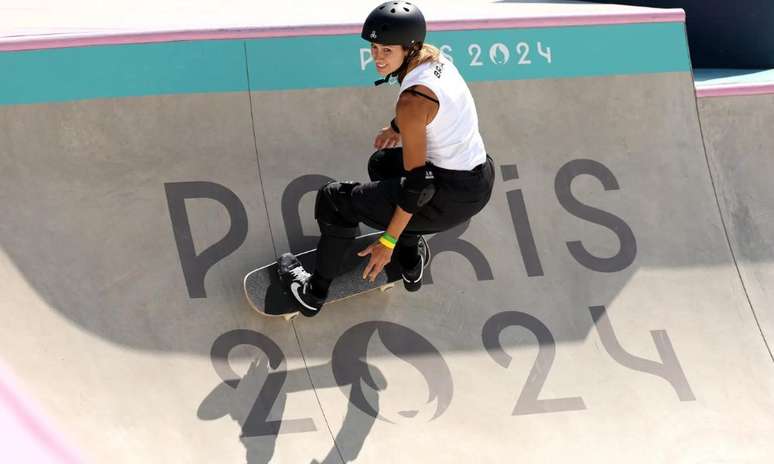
column 395, row 23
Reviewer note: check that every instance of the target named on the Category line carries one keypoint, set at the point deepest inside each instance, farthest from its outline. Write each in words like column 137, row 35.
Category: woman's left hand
column 386, row 138
column 380, row 257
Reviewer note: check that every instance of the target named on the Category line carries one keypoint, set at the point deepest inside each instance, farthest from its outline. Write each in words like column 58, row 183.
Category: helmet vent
column 381, row 7
column 392, row 10
column 405, row 9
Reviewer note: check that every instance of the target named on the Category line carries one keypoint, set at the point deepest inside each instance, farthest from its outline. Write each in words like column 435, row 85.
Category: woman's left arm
column 412, row 115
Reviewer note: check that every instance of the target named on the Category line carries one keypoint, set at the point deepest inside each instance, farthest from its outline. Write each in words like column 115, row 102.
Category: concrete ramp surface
column 612, row 303
column 739, row 147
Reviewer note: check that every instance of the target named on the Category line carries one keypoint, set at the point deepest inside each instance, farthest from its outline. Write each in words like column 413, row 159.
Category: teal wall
column 295, row 63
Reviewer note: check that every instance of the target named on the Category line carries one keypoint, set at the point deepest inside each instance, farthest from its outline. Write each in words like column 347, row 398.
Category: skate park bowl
column 612, row 303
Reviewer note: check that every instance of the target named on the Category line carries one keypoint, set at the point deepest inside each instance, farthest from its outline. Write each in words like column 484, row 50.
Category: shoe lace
column 299, row 273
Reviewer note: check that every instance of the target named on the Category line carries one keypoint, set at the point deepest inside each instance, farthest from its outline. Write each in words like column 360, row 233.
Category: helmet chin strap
column 411, row 54
column 385, row 80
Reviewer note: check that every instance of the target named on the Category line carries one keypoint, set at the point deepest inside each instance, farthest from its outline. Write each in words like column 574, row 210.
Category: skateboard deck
column 266, row 295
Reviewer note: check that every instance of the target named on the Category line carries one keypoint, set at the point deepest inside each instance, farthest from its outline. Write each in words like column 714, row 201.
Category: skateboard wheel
column 387, row 287
column 290, row 317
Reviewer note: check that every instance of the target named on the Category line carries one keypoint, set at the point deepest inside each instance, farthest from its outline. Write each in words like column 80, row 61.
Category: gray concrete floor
column 611, row 304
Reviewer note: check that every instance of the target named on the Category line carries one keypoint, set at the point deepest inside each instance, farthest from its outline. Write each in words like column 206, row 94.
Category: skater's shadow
column 257, row 400
column 252, row 413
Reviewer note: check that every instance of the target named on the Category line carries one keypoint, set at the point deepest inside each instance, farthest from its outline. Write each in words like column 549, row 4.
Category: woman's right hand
column 386, row 138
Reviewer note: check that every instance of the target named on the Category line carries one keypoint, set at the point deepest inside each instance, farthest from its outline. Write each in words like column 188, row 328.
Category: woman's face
column 387, row 58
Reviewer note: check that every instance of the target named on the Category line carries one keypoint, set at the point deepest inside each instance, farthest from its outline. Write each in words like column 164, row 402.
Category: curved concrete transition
column 611, row 304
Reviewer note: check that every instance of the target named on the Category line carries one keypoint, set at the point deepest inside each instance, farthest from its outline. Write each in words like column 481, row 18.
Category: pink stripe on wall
column 25, row 435
column 149, row 36
column 735, row 90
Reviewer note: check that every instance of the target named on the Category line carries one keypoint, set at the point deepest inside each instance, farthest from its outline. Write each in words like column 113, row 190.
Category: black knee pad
column 375, row 168
column 333, row 210
column 386, row 164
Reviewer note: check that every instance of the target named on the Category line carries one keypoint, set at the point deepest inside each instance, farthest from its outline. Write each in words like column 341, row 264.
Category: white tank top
column 453, row 140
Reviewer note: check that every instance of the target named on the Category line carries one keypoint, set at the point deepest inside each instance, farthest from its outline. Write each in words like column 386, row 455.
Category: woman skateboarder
column 440, row 177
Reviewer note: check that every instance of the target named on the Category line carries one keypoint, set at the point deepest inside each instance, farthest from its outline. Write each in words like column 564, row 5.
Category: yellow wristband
column 386, row 243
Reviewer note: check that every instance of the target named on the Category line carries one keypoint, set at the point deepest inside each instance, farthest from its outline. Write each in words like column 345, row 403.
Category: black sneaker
column 296, row 280
column 412, row 278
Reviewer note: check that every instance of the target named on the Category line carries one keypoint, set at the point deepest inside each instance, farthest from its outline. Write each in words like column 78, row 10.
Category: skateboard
column 266, row 295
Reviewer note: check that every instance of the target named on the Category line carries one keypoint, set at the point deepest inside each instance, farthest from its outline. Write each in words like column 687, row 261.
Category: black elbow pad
column 418, row 188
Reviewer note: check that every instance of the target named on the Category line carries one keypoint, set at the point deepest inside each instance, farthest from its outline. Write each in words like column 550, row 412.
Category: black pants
column 341, row 207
